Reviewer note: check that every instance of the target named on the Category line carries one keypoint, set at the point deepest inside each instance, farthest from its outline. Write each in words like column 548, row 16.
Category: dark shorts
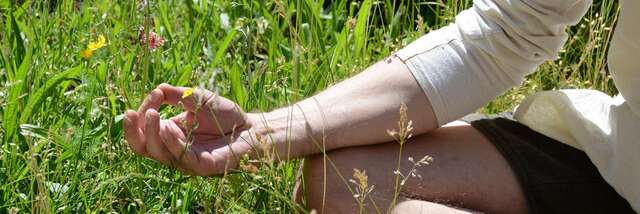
column 555, row 177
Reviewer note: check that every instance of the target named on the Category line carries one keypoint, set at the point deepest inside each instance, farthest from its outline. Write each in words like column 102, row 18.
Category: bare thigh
column 467, row 171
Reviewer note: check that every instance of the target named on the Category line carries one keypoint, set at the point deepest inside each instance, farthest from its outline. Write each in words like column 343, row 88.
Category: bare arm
column 357, row 111
column 470, row 62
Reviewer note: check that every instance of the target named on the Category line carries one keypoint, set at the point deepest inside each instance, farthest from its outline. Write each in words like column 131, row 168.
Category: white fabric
column 493, row 45
column 489, row 49
column 607, row 129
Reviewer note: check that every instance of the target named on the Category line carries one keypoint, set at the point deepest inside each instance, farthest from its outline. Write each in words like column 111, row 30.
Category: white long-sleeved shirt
column 493, row 45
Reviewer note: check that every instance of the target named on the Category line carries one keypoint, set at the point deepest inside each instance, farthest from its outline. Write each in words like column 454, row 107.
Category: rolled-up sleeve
column 488, row 50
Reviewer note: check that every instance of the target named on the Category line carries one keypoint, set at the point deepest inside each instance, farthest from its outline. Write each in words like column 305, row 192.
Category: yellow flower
column 93, row 46
column 86, row 53
column 187, row 92
column 97, row 44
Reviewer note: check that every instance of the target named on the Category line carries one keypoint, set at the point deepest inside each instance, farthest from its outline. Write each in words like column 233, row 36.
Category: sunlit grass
column 62, row 146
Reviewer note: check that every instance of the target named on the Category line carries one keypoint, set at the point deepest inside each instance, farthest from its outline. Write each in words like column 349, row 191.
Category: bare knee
column 323, row 187
column 315, row 180
column 467, row 172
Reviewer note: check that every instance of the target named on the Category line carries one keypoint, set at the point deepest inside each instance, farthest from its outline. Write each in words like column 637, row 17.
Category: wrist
column 280, row 132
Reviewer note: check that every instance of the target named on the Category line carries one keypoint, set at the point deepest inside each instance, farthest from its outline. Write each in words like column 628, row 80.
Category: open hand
column 202, row 140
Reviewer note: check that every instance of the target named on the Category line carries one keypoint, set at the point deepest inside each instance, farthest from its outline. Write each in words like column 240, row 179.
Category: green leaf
column 33, row 131
column 37, row 97
column 185, row 75
column 361, row 33
column 223, row 47
column 17, row 81
column 236, row 86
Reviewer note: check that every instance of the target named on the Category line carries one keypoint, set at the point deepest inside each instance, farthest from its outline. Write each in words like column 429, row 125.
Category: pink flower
column 155, row 41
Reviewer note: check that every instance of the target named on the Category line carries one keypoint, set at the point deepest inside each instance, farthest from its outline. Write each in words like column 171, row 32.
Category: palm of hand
column 198, row 151
column 195, row 141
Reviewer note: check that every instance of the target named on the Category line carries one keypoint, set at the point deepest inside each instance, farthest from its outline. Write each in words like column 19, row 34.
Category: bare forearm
column 357, row 111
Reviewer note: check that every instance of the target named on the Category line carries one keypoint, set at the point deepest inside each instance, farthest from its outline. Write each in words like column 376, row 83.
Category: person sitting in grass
column 564, row 151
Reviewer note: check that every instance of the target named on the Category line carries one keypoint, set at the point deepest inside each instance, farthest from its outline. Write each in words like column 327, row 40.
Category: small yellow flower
column 97, row 44
column 187, row 92
column 93, row 46
column 86, row 53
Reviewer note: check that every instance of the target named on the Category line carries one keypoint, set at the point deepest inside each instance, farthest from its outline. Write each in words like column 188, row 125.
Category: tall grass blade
column 48, row 87
column 361, row 30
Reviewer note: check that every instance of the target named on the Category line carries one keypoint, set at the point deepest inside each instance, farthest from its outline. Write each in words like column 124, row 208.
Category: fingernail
column 152, row 96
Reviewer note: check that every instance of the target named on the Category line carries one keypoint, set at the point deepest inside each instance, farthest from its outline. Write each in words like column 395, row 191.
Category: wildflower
column 351, row 23
column 249, row 167
column 86, row 54
column 362, row 178
column 93, row 46
column 262, row 24
column 14, row 210
column 224, row 21
column 405, row 127
column 155, row 41
column 97, row 44
column 187, row 93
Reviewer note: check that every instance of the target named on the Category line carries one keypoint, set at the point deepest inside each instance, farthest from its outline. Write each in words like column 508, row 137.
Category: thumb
column 213, row 112
column 190, row 98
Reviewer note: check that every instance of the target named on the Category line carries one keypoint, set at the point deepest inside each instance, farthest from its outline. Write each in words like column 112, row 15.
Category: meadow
column 70, row 68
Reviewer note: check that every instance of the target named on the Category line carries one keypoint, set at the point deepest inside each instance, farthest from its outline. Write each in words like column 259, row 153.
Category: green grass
column 61, row 131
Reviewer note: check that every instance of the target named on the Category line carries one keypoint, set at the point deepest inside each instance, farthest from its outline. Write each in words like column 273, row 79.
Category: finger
column 174, row 140
column 133, row 134
column 152, row 101
column 175, row 163
column 226, row 114
column 155, row 148
column 174, row 96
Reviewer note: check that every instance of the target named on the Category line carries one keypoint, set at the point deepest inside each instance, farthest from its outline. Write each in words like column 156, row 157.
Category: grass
column 61, row 131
